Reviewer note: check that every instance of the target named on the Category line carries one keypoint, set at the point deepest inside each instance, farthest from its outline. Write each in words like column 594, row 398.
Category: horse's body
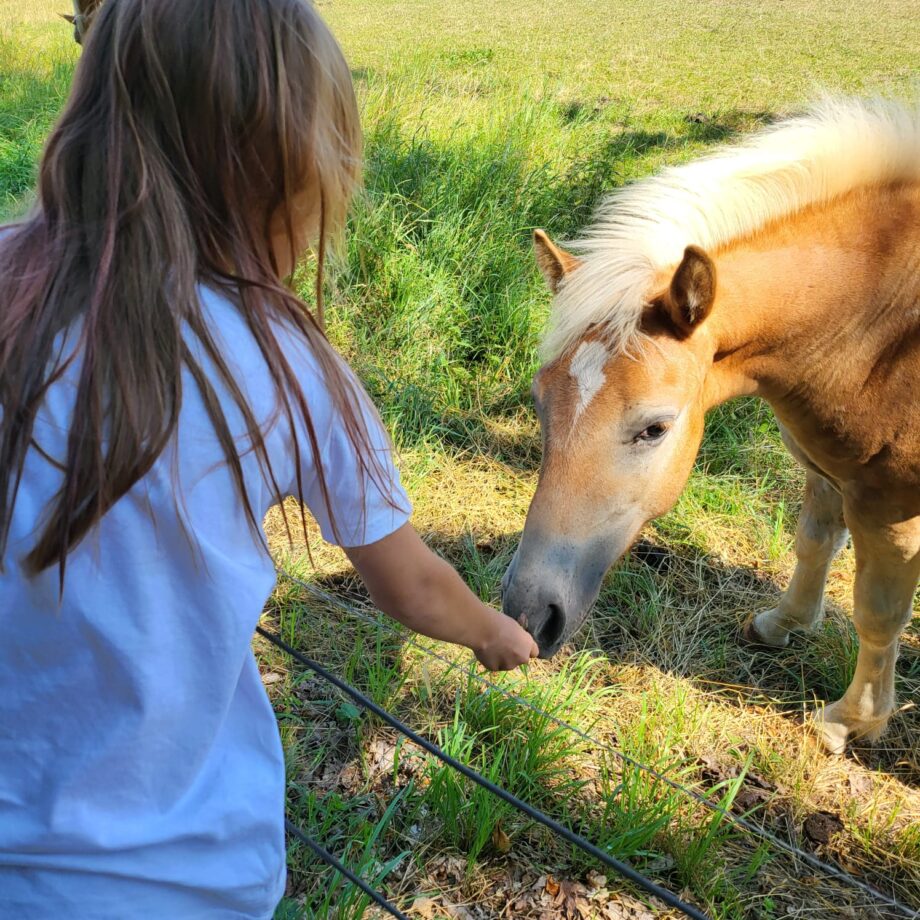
column 808, row 294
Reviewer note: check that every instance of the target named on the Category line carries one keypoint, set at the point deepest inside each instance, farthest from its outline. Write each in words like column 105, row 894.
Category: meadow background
column 483, row 121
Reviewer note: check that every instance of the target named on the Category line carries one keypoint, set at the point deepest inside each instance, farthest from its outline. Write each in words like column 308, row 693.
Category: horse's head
column 83, row 11
column 622, row 424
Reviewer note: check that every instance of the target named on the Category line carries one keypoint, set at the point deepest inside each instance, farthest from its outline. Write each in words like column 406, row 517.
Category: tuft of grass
column 351, row 830
column 515, row 748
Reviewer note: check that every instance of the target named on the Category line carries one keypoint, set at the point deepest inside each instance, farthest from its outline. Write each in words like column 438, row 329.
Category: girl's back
column 132, row 716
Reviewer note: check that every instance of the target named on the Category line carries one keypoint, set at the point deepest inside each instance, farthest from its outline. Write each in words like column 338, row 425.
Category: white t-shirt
column 141, row 770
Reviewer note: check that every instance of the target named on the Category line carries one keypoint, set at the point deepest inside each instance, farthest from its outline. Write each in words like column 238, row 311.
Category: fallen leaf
column 500, row 840
column 596, row 880
column 348, row 712
column 425, row 908
column 860, row 783
column 663, row 863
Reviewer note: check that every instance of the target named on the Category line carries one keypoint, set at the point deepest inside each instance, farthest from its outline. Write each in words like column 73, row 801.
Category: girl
column 160, row 388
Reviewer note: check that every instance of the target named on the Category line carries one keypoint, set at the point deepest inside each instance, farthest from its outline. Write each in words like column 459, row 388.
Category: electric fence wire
column 753, row 829
column 327, row 857
column 560, row 830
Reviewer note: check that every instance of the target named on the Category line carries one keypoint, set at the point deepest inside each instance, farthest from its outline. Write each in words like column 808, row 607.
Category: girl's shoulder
column 252, row 374
column 227, row 322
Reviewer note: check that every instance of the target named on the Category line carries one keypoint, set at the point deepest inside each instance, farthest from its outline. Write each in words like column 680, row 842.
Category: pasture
column 484, row 121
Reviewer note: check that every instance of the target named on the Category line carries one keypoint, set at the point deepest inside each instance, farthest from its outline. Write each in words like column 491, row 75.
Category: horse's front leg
column 887, row 568
column 820, row 535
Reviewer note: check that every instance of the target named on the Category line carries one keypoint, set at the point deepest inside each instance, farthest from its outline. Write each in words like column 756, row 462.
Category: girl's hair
column 194, row 129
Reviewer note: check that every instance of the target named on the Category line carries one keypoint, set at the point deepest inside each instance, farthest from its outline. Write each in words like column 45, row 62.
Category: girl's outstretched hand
column 508, row 647
column 410, row 583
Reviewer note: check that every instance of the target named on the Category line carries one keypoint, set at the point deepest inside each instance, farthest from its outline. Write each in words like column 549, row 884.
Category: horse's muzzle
column 549, row 588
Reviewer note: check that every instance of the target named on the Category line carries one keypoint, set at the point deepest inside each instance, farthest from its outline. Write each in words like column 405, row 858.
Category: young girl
column 160, row 389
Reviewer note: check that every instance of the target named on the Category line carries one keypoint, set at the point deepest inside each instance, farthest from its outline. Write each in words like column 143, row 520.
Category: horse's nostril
column 550, row 630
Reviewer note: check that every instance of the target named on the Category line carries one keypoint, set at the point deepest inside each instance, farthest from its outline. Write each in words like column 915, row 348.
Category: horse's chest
column 802, row 455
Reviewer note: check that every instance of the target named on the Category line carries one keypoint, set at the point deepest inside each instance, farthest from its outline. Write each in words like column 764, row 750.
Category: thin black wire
column 339, row 867
column 535, row 814
column 756, row 830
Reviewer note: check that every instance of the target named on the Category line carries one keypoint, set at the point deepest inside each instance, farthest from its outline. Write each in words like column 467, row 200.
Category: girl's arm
column 410, row 583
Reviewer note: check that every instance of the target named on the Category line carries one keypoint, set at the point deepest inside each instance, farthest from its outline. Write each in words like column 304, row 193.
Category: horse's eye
column 652, row 433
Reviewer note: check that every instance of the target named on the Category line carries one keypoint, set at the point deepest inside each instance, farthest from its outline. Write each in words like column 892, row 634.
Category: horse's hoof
column 834, row 729
column 832, row 735
column 750, row 636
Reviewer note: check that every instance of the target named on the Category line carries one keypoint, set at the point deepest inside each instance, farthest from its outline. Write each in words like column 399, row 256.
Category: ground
column 483, row 121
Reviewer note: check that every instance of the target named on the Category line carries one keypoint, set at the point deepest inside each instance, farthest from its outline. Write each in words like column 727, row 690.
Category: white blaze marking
column 587, row 369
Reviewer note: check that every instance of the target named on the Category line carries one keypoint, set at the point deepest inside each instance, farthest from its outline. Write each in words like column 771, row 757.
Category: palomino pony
column 787, row 267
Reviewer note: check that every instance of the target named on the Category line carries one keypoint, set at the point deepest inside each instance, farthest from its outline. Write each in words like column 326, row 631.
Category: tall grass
column 440, row 307
column 35, row 69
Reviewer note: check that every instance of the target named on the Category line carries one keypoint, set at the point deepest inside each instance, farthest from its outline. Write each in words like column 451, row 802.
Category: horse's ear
column 83, row 11
column 554, row 263
column 693, row 289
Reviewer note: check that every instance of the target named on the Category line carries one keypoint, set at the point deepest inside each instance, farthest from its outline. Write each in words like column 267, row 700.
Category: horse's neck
column 821, row 316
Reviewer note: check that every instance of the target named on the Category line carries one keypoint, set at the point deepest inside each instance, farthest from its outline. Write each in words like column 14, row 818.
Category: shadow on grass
column 653, row 577
column 680, row 611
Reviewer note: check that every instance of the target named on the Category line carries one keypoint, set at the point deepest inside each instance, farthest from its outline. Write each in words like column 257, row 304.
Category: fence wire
column 560, row 830
column 737, row 821
column 330, row 860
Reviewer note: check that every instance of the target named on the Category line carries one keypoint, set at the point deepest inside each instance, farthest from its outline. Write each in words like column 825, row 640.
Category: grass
column 484, row 121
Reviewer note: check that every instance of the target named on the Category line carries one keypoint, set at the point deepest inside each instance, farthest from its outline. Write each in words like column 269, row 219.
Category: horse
column 83, row 12
column 788, row 267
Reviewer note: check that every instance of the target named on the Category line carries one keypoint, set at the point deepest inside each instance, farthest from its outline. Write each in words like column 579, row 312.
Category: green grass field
column 483, row 121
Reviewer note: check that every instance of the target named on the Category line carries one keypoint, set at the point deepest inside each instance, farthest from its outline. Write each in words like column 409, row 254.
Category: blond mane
column 839, row 145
